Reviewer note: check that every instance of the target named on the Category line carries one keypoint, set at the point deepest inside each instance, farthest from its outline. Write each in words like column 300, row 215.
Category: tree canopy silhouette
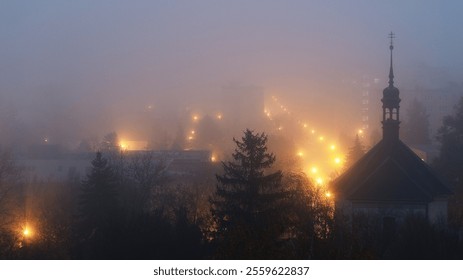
column 450, row 136
column 110, row 143
column 99, row 208
column 355, row 152
column 450, row 160
column 247, row 203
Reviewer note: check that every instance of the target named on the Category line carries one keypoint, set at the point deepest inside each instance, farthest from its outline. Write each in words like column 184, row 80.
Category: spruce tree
column 450, row 160
column 450, row 136
column 247, row 206
column 98, row 200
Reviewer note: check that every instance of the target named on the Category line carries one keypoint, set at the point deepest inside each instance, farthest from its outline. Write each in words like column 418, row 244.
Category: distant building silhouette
column 368, row 105
column 390, row 181
column 439, row 102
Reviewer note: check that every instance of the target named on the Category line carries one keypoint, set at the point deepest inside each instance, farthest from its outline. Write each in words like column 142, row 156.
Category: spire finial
column 391, row 36
column 391, row 72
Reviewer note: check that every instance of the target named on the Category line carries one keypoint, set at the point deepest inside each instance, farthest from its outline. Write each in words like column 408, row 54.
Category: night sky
column 88, row 61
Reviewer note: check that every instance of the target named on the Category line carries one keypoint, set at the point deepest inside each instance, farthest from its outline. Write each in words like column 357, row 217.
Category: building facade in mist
column 439, row 103
column 368, row 105
column 390, row 182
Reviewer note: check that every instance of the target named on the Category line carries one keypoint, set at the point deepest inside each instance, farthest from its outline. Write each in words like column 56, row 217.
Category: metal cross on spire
column 391, row 36
column 391, row 72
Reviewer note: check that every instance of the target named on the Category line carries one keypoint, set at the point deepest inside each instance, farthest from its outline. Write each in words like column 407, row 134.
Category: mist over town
column 230, row 130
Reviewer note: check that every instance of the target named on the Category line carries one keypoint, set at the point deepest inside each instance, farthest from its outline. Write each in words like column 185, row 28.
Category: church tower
column 391, row 105
column 390, row 181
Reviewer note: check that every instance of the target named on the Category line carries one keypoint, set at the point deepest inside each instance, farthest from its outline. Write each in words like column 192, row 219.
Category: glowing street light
column 27, row 232
column 123, row 146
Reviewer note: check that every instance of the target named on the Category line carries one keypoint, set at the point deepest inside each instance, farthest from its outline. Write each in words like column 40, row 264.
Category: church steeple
column 391, row 104
column 391, row 71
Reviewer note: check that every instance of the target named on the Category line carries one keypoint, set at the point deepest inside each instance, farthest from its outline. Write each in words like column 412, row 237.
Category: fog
column 179, row 129
column 78, row 70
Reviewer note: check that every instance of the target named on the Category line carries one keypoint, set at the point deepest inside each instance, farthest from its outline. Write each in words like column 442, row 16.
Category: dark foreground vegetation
column 128, row 207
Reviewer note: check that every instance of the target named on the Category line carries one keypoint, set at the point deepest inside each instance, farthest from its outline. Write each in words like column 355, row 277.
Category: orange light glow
column 123, row 145
column 326, row 157
column 132, row 145
column 27, row 231
column 328, row 194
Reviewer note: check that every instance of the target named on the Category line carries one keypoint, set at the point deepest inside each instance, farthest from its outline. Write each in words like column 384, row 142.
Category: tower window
column 395, row 113
column 388, row 114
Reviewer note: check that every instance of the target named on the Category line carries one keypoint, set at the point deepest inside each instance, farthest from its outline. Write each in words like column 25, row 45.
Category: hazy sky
column 61, row 58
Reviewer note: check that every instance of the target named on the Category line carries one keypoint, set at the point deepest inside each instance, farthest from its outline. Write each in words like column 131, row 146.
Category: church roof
column 390, row 171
